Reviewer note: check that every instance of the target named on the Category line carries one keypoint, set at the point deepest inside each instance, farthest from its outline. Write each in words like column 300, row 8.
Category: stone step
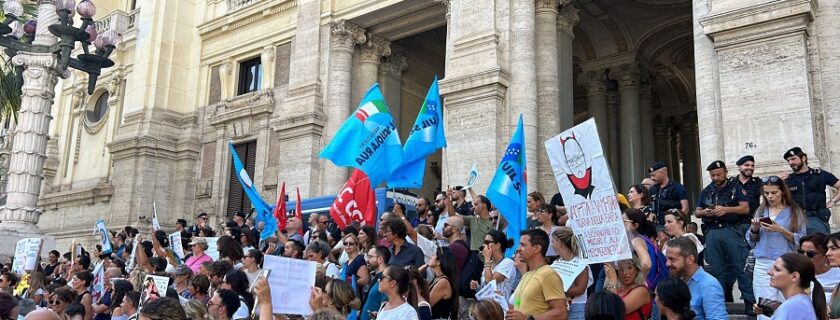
column 736, row 311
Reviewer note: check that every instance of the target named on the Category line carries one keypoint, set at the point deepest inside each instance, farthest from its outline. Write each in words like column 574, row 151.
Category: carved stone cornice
column 394, row 65
column 593, row 81
column 345, row 35
column 568, row 19
column 628, row 75
column 688, row 124
column 645, row 91
column 546, row 6
column 374, row 48
column 448, row 6
column 102, row 192
column 252, row 104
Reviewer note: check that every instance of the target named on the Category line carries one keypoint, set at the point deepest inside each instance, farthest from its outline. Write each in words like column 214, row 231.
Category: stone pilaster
column 548, row 98
column 390, row 76
column 370, row 56
column 692, row 178
column 612, row 147
column 523, row 84
column 596, row 96
column 566, row 22
column 674, row 157
column 345, row 36
column 646, row 123
column 662, row 142
column 629, row 126
column 707, row 83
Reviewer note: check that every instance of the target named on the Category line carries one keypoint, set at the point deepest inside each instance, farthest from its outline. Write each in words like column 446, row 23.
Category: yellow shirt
column 536, row 288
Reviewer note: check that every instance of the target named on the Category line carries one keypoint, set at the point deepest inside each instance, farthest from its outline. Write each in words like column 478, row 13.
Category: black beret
column 795, row 151
column 717, row 164
column 745, row 159
column 202, row 214
column 657, row 166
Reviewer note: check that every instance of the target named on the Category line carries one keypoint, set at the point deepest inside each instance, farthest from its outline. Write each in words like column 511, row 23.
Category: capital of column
column 394, row 65
column 593, row 81
column 546, row 6
column 40, row 74
column 628, row 75
column 568, row 19
column 662, row 131
column 345, row 35
column 688, row 124
column 374, row 49
column 645, row 91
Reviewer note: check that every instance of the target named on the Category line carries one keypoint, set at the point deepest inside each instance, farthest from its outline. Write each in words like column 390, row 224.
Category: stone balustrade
column 119, row 21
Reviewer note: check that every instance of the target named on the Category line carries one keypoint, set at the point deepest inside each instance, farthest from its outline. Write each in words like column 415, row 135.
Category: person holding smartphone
column 776, row 229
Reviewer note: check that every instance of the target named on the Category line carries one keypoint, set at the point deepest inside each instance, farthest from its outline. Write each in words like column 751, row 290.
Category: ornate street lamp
column 12, row 34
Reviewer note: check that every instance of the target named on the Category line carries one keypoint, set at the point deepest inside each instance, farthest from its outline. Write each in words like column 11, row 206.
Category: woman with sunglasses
column 775, row 230
column 546, row 215
column 496, row 266
column 395, row 283
column 355, row 270
column 60, row 299
column 815, row 247
column 565, row 244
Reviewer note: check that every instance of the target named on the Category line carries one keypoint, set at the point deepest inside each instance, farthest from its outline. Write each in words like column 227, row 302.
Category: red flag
column 298, row 209
column 280, row 209
column 355, row 202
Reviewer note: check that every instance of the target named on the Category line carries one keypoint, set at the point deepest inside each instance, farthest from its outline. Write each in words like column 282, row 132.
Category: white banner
column 212, row 248
column 583, row 176
column 176, row 244
column 291, row 283
column 27, row 252
column 104, row 236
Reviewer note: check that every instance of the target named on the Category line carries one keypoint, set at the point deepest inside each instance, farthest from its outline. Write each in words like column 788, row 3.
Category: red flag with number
column 298, row 210
column 280, row 209
column 355, row 202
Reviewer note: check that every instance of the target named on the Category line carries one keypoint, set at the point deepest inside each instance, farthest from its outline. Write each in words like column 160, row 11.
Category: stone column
column 370, row 56
column 390, row 76
column 707, row 85
column 629, row 126
column 566, row 22
column 596, row 97
column 523, row 86
column 612, row 147
column 691, row 162
column 345, row 36
column 646, row 124
column 548, row 98
column 20, row 214
column 662, row 143
column 674, row 158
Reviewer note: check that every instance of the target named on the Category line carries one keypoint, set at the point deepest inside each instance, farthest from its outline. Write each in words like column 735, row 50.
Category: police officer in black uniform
column 723, row 208
column 749, row 184
column 666, row 194
column 807, row 186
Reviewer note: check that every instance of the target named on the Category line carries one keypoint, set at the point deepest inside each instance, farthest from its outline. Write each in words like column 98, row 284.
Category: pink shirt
column 195, row 263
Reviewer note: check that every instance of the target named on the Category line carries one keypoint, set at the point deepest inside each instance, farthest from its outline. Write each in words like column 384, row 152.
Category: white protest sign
column 104, row 237
column 132, row 259
column 291, row 283
column 155, row 221
column 176, row 244
column 212, row 248
column 154, row 287
column 473, row 177
column 568, row 270
column 583, row 177
column 491, row 292
column 26, row 255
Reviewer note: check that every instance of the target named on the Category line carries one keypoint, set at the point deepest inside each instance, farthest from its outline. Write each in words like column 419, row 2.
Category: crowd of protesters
column 768, row 235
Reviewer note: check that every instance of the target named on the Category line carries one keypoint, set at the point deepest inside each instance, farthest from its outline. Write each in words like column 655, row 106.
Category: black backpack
column 471, row 271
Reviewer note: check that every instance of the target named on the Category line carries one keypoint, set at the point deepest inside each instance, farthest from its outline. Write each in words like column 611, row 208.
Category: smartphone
column 263, row 274
column 766, row 220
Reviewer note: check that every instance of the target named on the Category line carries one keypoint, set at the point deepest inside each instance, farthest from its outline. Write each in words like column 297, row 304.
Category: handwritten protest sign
column 568, row 270
column 583, row 177
column 290, row 281
column 177, row 245
column 212, row 248
column 132, row 260
column 27, row 252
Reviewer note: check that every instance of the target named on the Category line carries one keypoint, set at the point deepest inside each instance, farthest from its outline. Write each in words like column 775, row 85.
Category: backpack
column 471, row 271
column 658, row 268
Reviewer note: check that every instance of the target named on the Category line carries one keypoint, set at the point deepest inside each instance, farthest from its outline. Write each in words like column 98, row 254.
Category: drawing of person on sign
column 579, row 168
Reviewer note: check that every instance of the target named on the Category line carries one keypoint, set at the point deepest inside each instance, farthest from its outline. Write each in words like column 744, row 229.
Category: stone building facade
column 686, row 82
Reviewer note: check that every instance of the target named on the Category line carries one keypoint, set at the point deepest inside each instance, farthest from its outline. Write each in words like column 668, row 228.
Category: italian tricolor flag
column 371, row 108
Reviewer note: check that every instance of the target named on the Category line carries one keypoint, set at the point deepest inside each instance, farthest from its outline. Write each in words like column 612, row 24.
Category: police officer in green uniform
column 807, row 186
column 723, row 208
column 750, row 185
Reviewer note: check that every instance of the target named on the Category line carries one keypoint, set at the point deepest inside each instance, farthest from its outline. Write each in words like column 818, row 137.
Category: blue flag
column 426, row 136
column 262, row 208
column 368, row 140
column 510, row 187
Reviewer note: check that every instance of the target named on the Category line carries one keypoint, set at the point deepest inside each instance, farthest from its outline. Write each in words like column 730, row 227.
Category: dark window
column 237, row 200
column 99, row 109
column 250, row 76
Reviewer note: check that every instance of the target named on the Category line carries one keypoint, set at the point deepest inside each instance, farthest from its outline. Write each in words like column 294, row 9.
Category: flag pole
column 446, row 166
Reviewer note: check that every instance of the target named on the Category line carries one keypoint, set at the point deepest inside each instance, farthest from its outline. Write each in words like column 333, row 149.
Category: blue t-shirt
column 798, row 307
column 104, row 300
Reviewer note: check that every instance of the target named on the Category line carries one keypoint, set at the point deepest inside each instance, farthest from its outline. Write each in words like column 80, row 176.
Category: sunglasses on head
column 809, row 254
column 771, row 179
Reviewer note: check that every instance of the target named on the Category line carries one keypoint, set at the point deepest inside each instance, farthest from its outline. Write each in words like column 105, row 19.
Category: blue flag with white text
column 368, row 140
column 426, row 136
column 262, row 208
column 509, row 187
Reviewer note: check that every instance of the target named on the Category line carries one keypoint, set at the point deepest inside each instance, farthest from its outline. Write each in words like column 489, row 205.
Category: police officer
column 749, row 184
column 723, row 207
column 807, row 186
column 666, row 194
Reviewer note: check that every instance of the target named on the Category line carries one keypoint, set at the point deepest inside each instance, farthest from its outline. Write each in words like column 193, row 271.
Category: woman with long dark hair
column 443, row 292
column 640, row 230
column 421, row 288
column 367, row 237
column 639, row 198
column 121, row 287
column 237, row 281
column 833, row 258
column 496, row 266
column 395, row 283
column 792, row 274
column 673, row 299
column 776, row 229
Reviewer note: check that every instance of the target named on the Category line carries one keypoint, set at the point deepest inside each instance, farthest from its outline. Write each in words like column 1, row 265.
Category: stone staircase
column 736, row 311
